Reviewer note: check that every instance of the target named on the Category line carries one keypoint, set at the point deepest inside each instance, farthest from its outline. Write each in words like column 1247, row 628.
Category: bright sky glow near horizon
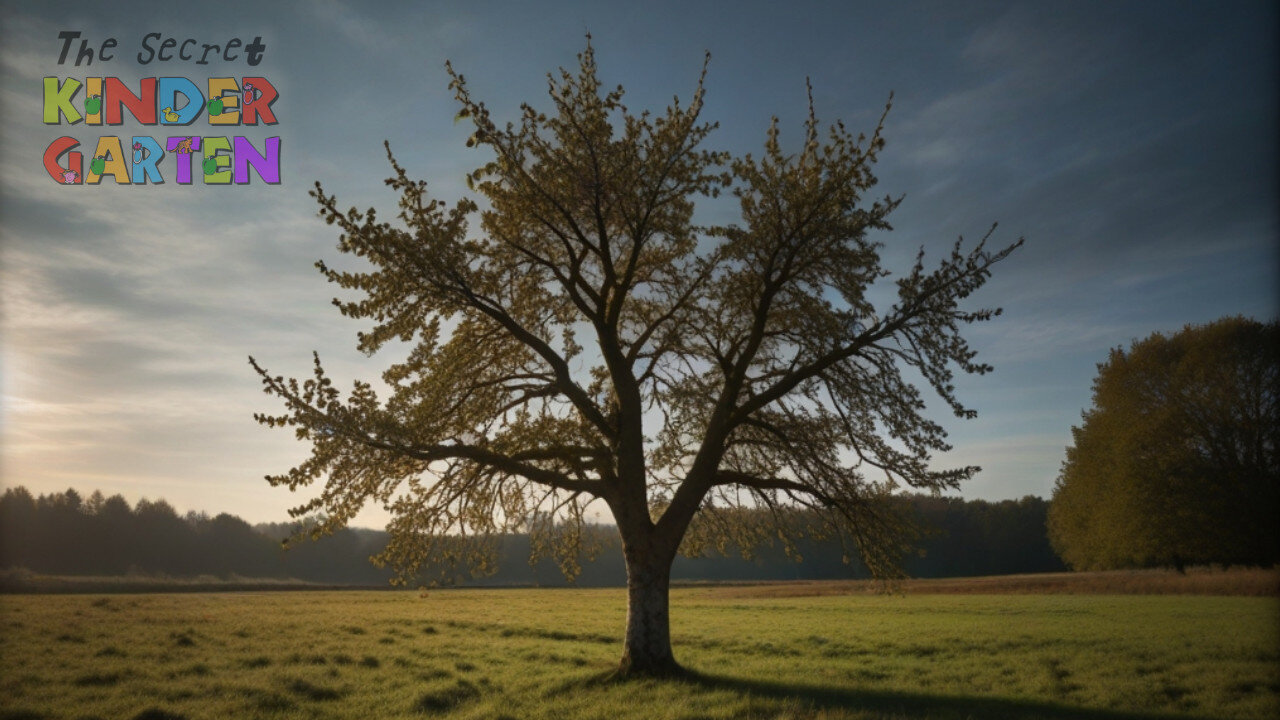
column 1133, row 145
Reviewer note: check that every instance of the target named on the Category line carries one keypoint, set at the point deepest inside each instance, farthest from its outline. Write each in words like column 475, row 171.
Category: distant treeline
column 67, row 534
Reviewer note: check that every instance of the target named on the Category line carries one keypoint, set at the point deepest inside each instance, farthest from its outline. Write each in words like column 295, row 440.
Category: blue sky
column 1132, row 144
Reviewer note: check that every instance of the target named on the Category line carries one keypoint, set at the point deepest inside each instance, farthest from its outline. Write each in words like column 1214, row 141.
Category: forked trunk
column 647, row 648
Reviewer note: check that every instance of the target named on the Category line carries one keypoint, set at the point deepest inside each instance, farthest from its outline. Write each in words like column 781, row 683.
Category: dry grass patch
column 1238, row 582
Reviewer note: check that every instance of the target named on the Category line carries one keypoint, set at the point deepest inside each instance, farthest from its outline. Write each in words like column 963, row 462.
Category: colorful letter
column 146, row 156
column 268, row 165
column 92, row 100
column 228, row 91
column 57, row 101
column 142, row 107
column 70, row 175
column 170, row 89
column 183, row 147
column 111, row 153
column 263, row 95
column 217, row 168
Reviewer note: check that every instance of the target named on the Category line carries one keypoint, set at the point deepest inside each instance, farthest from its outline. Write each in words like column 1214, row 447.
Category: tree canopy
column 1176, row 463
column 593, row 341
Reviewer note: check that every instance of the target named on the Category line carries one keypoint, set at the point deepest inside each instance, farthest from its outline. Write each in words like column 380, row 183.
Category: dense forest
column 67, row 534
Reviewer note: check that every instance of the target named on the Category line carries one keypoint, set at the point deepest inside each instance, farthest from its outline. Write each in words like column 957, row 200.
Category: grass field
column 545, row 653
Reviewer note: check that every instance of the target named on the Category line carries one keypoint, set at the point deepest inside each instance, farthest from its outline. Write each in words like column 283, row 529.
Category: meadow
column 755, row 652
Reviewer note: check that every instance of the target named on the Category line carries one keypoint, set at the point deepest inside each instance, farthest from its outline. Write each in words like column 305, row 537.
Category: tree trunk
column 647, row 648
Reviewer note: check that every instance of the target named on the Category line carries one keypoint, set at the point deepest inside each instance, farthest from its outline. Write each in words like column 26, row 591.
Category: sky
column 1133, row 145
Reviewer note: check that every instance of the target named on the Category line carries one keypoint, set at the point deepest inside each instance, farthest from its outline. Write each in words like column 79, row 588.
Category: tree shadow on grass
column 917, row 705
column 904, row 705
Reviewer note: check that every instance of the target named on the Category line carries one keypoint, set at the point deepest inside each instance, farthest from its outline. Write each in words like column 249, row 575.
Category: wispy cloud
column 1012, row 465
column 353, row 26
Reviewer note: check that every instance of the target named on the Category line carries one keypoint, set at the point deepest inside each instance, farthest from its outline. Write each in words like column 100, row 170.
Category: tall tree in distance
column 591, row 342
column 1177, row 462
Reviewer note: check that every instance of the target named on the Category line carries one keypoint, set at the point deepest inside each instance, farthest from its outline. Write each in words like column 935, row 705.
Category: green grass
column 545, row 654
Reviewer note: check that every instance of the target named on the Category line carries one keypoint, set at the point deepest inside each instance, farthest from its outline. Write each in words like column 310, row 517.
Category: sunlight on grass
column 546, row 654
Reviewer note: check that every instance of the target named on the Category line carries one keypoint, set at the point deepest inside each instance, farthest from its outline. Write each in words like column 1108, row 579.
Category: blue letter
column 167, row 99
column 146, row 155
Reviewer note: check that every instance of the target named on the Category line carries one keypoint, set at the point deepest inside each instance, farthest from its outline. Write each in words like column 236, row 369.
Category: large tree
column 592, row 343
column 1177, row 461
